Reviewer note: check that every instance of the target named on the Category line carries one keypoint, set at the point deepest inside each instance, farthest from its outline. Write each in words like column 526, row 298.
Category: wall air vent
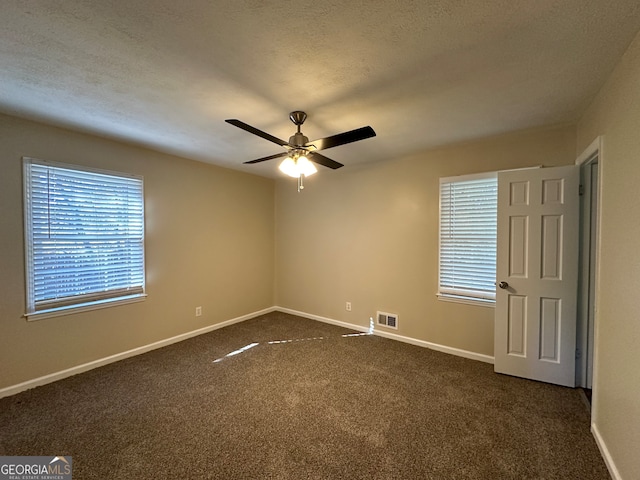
column 388, row 320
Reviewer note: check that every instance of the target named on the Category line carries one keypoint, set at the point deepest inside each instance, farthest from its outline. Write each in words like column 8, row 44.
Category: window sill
column 466, row 300
column 84, row 307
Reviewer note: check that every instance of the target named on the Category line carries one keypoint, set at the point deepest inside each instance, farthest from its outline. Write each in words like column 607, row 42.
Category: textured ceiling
column 165, row 74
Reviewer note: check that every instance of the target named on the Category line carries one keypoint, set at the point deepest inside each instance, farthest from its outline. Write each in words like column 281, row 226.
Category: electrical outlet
column 198, row 311
column 348, row 307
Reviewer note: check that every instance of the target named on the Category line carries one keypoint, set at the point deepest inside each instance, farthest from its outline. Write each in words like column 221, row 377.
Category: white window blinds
column 468, row 223
column 84, row 236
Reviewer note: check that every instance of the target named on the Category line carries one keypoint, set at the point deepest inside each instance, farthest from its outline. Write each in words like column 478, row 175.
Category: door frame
column 593, row 151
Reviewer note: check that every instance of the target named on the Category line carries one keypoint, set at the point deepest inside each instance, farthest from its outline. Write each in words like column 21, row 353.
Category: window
column 84, row 238
column 468, row 223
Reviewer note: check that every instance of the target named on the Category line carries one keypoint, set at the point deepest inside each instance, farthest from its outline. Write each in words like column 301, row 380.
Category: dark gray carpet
column 321, row 406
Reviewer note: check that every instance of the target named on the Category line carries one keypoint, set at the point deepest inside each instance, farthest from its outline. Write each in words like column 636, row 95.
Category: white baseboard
column 311, row 316
column 394, row 336
column 36, row 382
column 604, row 451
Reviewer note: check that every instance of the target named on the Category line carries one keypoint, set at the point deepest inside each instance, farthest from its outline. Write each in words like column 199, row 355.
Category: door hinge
column 581, row 190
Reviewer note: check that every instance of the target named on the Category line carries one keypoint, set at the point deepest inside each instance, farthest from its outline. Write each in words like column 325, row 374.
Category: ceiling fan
column 300, row 151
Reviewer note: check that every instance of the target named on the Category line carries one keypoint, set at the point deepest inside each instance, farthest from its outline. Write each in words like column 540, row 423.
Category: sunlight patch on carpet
column 277, row 342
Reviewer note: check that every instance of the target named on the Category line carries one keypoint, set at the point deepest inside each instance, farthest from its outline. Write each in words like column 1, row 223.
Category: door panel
column 517, row 326
column 537, row 257
column 552, row 247
column 550, row 316
column 518, row 246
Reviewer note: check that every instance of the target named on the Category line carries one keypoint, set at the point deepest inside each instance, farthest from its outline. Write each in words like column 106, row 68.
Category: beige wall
column 615, row 114
column 370, row 236
column 209, row 243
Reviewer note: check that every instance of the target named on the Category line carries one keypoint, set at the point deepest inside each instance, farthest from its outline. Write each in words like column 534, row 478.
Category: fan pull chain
column 301, row 182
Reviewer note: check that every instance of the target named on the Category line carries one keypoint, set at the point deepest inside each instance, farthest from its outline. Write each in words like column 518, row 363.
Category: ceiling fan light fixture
column 305, row 166
column 297, row 165
column 288, row 167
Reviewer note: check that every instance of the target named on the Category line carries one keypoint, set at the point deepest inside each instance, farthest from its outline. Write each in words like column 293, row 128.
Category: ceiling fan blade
column 322, row 160
column 342, row 138
column 255, row 131
column 270, row 157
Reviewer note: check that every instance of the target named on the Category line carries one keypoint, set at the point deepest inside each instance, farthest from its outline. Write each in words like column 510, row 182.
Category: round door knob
column 503, row 285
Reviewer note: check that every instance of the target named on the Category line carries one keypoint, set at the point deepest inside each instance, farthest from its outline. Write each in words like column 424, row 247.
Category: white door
column 537, row 274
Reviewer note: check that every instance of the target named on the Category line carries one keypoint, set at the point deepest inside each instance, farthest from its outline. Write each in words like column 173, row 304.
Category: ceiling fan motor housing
column 298, row 139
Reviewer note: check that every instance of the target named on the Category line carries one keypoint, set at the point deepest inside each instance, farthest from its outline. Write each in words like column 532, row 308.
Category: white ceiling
column 165, row 74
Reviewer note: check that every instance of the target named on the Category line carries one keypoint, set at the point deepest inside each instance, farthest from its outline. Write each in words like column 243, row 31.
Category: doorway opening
column 589, row 190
